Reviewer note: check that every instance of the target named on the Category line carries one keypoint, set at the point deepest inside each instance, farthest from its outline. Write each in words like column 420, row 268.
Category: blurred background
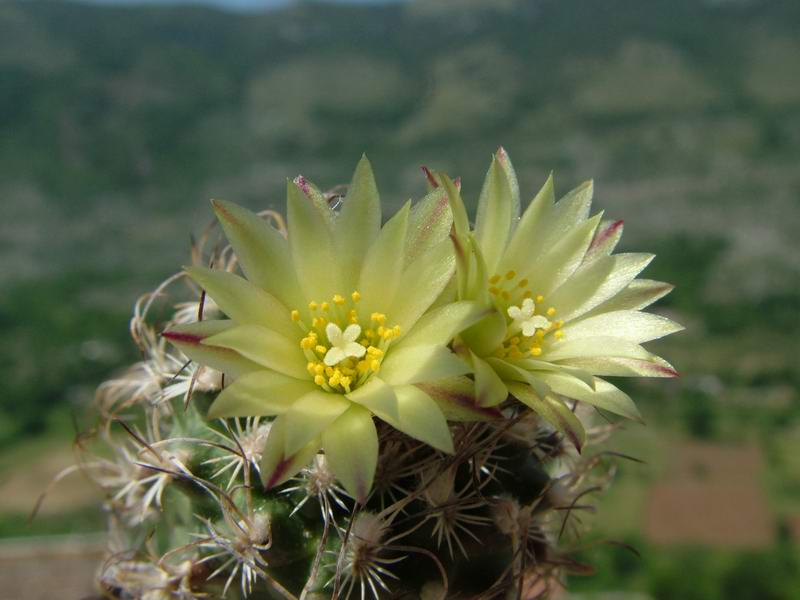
column 119, row 120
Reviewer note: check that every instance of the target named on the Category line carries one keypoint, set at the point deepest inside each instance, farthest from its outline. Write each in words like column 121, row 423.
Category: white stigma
column 343, row 343
column 524, row 318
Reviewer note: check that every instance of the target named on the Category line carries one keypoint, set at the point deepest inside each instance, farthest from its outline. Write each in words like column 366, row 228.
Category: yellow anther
column 311, row 366
column 363, row 366
column 397, row 330
column 523, row 282
column 345, row 381
column 559, row 324
column 551, row 311
column 539, row 298
column 375, row 364
column 559, row 334
column 381, row 330
column 379, row 318
column 324, row 306
column 514, row 340
column 338, row 299
column 511, row 274
column 494, row 279
column 494, row 291
column 295, row 315
column 329, row 371
column 527, row 294
column 319, row 369
column 335, row 378
column 375, row 352
column 388, row 334
column 536, row 351
column 307, row 343
column 369, row 333
column 319, row 380
column 539, row 333
column 317, row 322
column 313, row 306
column 355, row 296
column 321, row 349
column 352, row 316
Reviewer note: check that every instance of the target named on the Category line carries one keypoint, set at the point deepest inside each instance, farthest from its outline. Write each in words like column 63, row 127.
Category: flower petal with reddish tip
column 553, row 411
column 457, row 401
column 617, row 366
column 605, row 395
column 189, row 339
column 278, row 467
column 428, row 225
column 351, row 449
column 605, row 240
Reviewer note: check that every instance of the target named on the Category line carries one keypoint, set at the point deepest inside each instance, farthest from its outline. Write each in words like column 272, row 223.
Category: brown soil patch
column 20, row 487
column 711, row 495
column 49, row 568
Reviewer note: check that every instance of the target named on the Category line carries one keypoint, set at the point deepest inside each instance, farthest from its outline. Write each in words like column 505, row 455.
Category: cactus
column 438, row 443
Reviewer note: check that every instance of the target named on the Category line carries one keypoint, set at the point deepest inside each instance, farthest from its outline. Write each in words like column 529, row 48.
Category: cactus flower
column 332, row 325
column 564, row 310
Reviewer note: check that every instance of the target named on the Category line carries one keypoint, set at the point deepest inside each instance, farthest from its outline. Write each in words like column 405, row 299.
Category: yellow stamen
column 539, row 298
column 511, row 274
column 375, row 365
column 295, row 315
column 494, row 279
column 559, row 334
column 313, row 306
column 319, row 380
column 321, row 349
column 551, row 311
column 337, row 299
column 523, row 282
column 324, row 306
column 355, row 296
column 536, row 351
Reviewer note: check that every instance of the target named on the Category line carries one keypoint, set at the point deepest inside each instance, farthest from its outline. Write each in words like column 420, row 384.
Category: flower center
column 529, row 328
column 342, row 353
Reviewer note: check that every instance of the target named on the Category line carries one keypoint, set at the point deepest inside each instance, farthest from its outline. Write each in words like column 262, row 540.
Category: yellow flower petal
column 351, row 449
